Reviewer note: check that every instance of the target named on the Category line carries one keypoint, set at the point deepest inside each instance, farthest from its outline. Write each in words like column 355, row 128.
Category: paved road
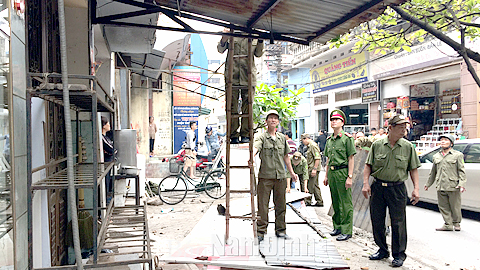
column 432, row 249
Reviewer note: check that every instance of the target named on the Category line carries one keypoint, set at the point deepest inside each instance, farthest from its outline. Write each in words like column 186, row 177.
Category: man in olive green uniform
column 313, row 160
column 273, row 149
column 240, row 80
column 389, row 161
column 340, row 149
column 300, row 167
column 448, row 171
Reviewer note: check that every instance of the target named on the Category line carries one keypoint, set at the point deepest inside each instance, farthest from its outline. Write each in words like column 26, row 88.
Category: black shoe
column 397, row 262
column 378, row 256
column 234, row 141
column 318, row 204
column 283, row 235
column 344, row 237
column 335, row 232
column 260, row 238
column 245, row 140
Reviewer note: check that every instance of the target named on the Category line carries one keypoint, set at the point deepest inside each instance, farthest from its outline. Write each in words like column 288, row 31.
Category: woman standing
column 152, row 129
column 108, row 153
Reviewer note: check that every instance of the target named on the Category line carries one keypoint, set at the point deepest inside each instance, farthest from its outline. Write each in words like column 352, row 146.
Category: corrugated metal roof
column 306, row 20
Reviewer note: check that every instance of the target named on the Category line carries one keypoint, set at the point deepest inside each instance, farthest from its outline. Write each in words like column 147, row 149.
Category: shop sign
column 427, row 54
column 186, row 77
column 370, row 91
column 422, row 90
column 181, row 123
column 348, row 71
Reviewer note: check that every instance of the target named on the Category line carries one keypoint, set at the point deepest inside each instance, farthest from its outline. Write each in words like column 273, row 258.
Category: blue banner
column 181, row 122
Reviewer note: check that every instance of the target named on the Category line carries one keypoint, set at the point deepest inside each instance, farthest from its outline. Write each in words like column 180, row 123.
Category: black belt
column 334, row 168
column 388, row 184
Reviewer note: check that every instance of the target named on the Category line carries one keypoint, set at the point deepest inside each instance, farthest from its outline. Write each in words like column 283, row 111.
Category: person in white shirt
column 190, row 154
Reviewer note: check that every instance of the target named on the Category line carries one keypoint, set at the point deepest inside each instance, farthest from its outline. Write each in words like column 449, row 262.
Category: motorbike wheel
column 216, row 184
column 172, row 189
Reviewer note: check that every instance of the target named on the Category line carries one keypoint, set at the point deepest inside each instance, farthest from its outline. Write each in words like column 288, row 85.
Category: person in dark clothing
column 108, row 153
column 321, row 140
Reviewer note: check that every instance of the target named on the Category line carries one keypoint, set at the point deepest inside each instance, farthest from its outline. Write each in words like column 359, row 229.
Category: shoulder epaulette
column 329, row 137
column 348, row 134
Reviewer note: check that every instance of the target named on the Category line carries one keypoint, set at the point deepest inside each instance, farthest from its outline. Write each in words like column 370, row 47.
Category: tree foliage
column 384, row 34
column 270, row 98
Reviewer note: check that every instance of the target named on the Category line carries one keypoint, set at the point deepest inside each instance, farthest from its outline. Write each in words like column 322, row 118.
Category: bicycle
column 173, row 188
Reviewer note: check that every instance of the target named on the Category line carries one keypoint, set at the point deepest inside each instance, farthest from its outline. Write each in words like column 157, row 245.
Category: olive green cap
column 448, row 136
column 397, row 120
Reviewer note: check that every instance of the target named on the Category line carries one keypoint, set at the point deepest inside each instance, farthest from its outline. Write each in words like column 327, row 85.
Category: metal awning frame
column 245, row 31
column 149, row 9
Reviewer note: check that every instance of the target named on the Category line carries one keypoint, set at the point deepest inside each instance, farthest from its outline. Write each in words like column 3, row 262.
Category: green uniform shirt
column 300, row 168
column 271, row 153
column 240, row 60
column 392, row 164
column 339, row 148
column 312, row 154
column 448, row 171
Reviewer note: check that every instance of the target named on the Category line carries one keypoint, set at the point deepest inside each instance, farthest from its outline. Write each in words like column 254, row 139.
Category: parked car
column 470, row 198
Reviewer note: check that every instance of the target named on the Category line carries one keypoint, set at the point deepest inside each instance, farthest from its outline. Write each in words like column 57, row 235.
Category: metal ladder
column 230, row 116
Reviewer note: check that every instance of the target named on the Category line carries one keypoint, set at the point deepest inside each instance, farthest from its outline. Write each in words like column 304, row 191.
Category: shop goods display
column 443, row 126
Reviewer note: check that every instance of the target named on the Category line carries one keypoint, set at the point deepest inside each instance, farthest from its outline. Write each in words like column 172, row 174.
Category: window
column 473, row 154
column 356, row 93
column 428, row 158
column 460, row 147
column 318, row 100
column 214, row 80
column 340, row 96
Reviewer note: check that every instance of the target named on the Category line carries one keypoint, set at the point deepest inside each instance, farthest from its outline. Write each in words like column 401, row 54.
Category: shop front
column 338, row 85
column 429, row 100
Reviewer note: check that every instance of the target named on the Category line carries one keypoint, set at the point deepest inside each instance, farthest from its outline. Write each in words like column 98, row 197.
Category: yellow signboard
column 347, row 71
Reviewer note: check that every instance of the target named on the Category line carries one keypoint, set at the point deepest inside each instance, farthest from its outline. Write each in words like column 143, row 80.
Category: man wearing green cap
column 389, row 161
column 448, row 171
column 300, row 167
column 273, row 149
column 313, row 160
column 340, row 149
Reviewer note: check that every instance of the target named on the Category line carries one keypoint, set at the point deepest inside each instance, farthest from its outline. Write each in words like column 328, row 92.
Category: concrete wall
column 162, row 113
column 374, row 115
column 18, row 141
column 139, row 113
column 76, row 24
column 470, row 93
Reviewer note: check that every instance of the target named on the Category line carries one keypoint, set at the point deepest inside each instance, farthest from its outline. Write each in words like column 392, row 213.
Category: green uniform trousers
column 450, row 206
column 313, row 188
column 341, row 201
column 237, row 93
column 264, row 188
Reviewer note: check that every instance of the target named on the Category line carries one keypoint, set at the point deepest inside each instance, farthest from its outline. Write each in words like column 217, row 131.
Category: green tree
column 428, row 18
column 269, row 98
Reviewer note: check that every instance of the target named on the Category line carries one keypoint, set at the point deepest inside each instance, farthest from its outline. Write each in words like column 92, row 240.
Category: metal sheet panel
column 317, row 20
column 124, row 39
column 125, row 143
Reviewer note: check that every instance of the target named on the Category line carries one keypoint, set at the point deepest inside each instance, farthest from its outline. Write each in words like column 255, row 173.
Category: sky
column 209, row 41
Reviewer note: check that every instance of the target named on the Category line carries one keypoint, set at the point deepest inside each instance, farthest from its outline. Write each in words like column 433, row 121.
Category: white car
column 470, row 198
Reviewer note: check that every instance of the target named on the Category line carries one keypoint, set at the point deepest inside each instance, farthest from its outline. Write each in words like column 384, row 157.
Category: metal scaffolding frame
column 84, row 98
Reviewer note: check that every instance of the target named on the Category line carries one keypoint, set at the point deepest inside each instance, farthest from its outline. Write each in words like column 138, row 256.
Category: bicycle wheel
column 215, row 184
column 172, row 189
